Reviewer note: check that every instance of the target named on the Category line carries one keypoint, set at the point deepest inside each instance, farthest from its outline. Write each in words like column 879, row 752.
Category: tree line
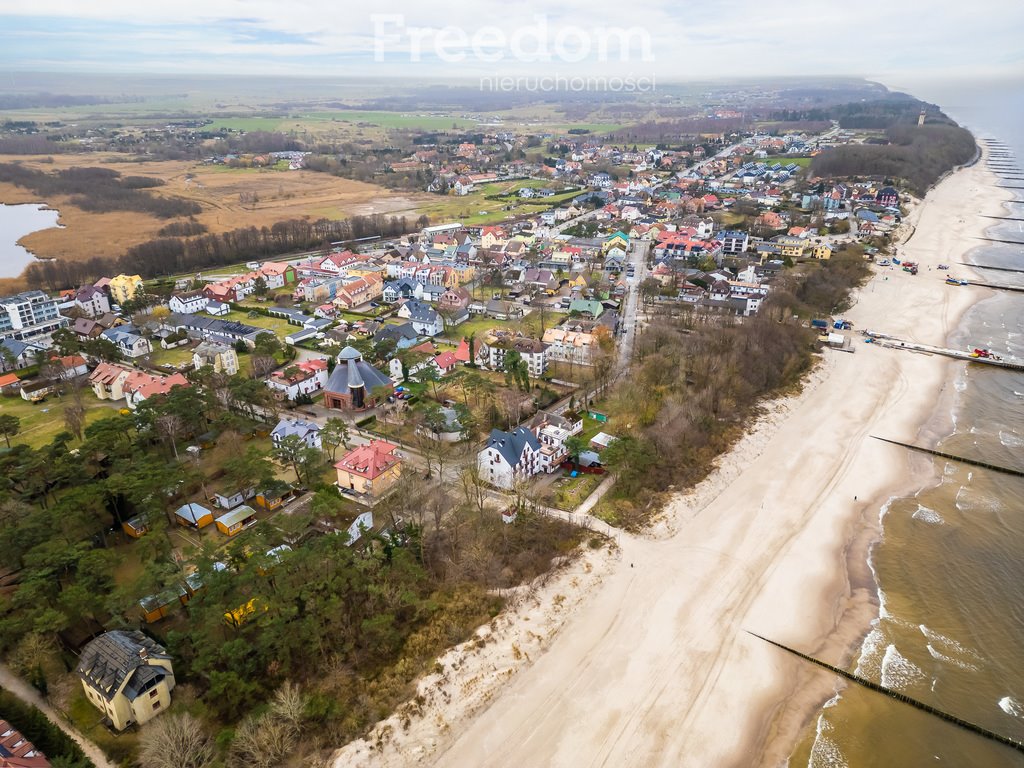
column 698, row 377
column 168, row 255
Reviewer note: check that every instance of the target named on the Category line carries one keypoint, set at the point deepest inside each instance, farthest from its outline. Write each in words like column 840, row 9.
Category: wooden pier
column 885, row 340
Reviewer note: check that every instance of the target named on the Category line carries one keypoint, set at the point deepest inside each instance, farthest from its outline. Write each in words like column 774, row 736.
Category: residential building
column 30, row 315
column 509, row 456
column 18, row 752
column 129, row 342
column 111, row 381
column 124, row 287
column 733, row 242
column 193, row 515
column 424, row 318
column 15, row 355
column 355, row 385
column 92, row 301
column 307, row 431
column 127, row 676
column 572, row 347
column 370, row 470
column 497, row 344
column 359, row 290
column 237, row 520
column 302, row 378
column 190, row 302
column 222, row 357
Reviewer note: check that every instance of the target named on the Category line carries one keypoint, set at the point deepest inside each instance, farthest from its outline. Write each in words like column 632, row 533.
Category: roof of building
column 300, row 427
column 510, row 444
column 118, row 656
column 18, row 752
column 192, row 512
column 236, row 515
column 354, row 373
column 370, row 460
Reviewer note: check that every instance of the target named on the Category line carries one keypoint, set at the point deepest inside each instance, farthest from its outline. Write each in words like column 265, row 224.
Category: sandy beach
column 641, row 657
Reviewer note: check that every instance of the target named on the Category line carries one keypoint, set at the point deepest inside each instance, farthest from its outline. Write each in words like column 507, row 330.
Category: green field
column 41, row 422
column 173, row 357
column 246, row 124
column 281, row 327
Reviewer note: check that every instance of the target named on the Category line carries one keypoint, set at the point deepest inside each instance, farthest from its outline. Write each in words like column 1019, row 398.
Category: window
column 153, row 693
column 156, row 705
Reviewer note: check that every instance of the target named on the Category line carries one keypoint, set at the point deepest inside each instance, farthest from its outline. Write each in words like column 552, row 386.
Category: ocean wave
column 1011, row 440
column 869, row 664
column 1011, row 706
column 939, row 656
column 898, row 672
column 927, row 515
column 969, row 500
column 949, row 645
column 825, row 753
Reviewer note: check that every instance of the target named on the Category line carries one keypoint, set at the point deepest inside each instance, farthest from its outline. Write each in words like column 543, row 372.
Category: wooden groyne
column 989, row 266
column 900, row 697
column 885, row 340
column 1000, row 240
column 1003, row 218
column 998, row 287
column 954, row 457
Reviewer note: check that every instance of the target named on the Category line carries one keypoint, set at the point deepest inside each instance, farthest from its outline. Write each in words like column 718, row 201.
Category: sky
column 668, row 39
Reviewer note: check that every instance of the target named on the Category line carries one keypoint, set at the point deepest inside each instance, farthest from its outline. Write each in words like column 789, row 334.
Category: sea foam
column 898, row 672
column 927, row 515
column 1011, row 706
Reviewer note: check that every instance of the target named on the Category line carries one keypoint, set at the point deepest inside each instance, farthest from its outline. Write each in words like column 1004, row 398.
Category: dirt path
column 29, row 695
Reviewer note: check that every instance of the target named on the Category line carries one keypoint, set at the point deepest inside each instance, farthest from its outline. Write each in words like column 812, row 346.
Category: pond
column 16, row 221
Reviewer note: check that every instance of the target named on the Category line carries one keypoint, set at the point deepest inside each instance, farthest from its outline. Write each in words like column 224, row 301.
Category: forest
column 697, row 380
column 918, row 154
column 336, row 632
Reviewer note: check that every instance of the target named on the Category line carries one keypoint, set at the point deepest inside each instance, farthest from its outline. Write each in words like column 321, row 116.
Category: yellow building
column 124, row 287
column 126, row 676
column 824, row 251
column 793, row 247
column 369, row 469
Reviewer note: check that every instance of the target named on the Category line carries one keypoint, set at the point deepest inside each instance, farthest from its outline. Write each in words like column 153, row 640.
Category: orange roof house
column 370, row 469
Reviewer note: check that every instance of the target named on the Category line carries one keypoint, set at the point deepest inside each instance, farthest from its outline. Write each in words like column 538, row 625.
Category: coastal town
column 351, row 457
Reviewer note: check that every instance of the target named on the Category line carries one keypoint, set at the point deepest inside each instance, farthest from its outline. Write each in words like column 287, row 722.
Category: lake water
column 16, row 221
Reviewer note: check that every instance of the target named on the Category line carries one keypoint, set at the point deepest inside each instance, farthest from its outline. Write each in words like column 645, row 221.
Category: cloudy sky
column 882, row 39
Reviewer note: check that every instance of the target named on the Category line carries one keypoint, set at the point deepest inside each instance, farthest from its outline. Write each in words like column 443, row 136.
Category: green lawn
column 572, row 491
column 479, row 325
column 41, row 422
column 173, row 357
column 276, row 324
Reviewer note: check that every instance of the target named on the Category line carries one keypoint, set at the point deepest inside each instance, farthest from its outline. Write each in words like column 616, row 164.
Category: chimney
column 143, row 653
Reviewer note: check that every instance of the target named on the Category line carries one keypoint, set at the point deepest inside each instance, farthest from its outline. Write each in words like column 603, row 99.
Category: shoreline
column 860, row 611
column 651, row 663
column 34, row 258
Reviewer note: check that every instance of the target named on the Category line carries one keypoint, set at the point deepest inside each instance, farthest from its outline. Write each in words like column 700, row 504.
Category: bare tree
column 74, row 418
column 170, row 426
column 262, row 742
column 176, row 741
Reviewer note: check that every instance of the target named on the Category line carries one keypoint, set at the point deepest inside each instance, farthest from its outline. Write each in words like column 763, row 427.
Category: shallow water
column 16, row 221
column 949, row 567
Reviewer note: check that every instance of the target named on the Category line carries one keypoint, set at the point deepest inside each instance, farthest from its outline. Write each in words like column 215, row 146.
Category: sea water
column 949, row 562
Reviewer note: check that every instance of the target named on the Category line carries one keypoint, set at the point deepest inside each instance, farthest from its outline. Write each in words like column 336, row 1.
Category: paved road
column 30, row 695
